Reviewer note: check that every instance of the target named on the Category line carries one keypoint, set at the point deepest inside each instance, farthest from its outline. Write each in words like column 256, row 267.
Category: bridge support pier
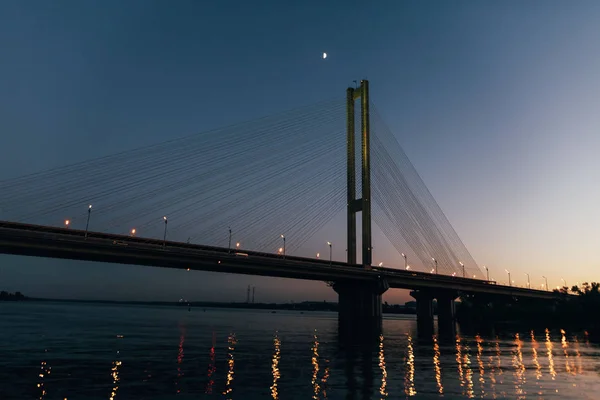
column 359, row 309
column 424, row 313
column 446, row 315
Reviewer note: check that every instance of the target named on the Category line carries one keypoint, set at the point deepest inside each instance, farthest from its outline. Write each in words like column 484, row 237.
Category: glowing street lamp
column 463, row 268
column 435, row 262
column 318, row 255
column 165, row 234
column 237, row 245
column 509, row 281
column 405, row 261
column 133, row 232
column 381, row 264
column 330, row 253
column 283, row 237
column 407, row 267
column 67, row 222
column 87, row 224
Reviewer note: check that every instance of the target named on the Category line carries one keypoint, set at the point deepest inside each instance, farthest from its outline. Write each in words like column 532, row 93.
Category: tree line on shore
column 574, row 309
column 6, row 296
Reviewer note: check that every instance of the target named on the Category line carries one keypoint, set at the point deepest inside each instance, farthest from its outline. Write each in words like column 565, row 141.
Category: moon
column 324, row 56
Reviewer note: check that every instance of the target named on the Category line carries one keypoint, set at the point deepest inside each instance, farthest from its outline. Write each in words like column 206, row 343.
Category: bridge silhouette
column 248, row 199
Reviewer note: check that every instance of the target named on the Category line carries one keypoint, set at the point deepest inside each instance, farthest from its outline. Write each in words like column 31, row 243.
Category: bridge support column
column 359, row 308
column 446, row 315
column 424, row 313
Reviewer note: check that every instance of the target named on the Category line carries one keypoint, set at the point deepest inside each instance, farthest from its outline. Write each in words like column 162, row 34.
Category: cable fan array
column 279, row 175
column 283, row 174
column 406, row 212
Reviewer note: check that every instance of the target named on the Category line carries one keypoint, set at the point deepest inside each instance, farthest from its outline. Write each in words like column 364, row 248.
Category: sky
column 495, row 103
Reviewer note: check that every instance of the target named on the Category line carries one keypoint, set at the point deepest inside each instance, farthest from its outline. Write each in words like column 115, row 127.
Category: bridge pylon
column 362, row 205
column 359, row 304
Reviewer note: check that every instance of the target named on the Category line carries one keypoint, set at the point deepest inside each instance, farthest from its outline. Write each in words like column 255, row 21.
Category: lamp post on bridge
column 67, row 222
column 283, row 237
column 463, row 268
column 165, row 234
column 405, row 261
column 546, row 279
column 528, row 281
column 509, row 282
column 133, row 232
column 435, row 262
column 87, row 224
column 487, row 270
column 229, row 247
column 330, row 253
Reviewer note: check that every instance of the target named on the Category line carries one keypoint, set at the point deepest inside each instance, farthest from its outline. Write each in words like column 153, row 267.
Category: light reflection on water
column 256, row 355
column 275, row 367
column 231, row 340
column 436, row 365
column 409, row 379
column 383, row 369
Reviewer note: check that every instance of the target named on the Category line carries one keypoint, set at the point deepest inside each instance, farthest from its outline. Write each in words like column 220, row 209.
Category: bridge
column 273, row 175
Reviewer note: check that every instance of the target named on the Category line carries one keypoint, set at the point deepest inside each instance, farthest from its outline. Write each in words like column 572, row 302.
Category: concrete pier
column 424, row 313
column 359, row 308
column 446, row 315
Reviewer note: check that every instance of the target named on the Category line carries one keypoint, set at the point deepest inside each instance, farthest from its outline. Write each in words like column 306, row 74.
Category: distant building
column 411, row 304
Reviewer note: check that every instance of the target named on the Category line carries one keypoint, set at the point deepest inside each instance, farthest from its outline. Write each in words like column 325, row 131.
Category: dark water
column 83, row 351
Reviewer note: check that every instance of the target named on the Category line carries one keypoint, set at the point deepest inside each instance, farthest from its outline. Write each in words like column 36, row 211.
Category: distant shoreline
column 302, row 306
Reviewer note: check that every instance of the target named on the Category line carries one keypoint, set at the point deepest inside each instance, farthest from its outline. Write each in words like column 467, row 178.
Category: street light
column 528, row 282
column 407, row 267
column 509, row 282
column 318, row 255
column 330, row 253
column 67, row 222
column 229, row 246
column 547, row 287
column 87, row 224
column 165, row 234
column 435, row 261
column 381, row 264
column 133, row 232
column 283, row 237
column 463, row 268
column 237, row 245
column 488, row 272
column 405, row 261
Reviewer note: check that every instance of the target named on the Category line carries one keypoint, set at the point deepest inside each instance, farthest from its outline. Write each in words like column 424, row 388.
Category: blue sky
column 494, row 102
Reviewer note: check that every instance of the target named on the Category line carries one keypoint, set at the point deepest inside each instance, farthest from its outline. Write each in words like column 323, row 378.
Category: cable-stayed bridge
column 249, row 198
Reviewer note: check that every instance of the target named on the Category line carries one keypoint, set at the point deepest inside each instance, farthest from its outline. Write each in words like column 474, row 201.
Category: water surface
column 98, row 351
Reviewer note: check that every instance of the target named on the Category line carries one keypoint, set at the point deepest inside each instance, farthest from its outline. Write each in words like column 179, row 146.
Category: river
column 52, row 350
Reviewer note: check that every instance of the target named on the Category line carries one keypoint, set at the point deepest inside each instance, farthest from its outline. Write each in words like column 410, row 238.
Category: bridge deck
column 45, row 241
